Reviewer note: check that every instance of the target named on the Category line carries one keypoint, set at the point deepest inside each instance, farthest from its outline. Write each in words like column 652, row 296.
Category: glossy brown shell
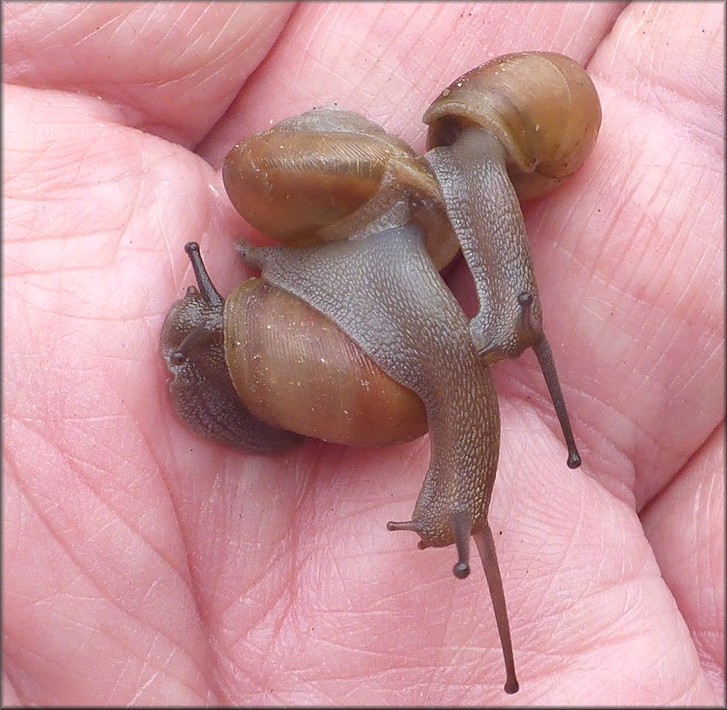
column 311, row 172
column 542, row 107
column 294, row 369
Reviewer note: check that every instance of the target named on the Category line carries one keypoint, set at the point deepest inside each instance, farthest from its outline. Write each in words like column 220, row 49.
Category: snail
column 417, row 335
column 331, row 174
column 367, row 224
column 373, row 292
column 261, row 370
column 325, row 175
column 200, row 389
column 515, row 127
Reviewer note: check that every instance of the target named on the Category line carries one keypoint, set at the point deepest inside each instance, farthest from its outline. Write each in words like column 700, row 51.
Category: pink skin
column 143, row 565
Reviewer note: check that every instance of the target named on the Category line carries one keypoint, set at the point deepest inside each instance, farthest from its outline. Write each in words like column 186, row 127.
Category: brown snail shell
column 331, row 174
column 541, row 106
column 339, row 395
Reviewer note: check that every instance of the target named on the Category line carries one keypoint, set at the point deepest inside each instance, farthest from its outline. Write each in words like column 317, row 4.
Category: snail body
column 418, row 335
column 200, row 388
column 517, row 126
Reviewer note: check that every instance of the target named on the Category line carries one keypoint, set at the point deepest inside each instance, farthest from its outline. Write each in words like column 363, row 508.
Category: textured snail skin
column 384, row 293
column 516, row 126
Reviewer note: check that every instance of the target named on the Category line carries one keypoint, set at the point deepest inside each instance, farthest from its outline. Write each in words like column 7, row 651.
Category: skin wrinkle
column 259, row 673
column 124, row 21
column 78, row 464
column 346, row 611
column 280, row 554
column 86, row 575
column 669, row 91
column 666, row 80
column 286, row 609
column 194, row 590
column 229, row 56
column 147, row 541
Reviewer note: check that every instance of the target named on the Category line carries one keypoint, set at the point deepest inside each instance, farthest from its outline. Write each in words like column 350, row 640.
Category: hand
column 143, row 565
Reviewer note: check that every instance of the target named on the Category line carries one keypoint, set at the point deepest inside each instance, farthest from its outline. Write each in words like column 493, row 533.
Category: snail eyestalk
column 462, row 526
column 486, row 547
column 547, row 365
column 199, row 337
column 206, row 287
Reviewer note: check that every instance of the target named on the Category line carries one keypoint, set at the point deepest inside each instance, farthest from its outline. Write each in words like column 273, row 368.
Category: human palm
column 144, row 565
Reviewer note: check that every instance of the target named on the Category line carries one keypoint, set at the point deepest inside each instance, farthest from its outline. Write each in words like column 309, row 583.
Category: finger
column 171, row 69
column 99, row 571
column 685, row 526
column 645, row 279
